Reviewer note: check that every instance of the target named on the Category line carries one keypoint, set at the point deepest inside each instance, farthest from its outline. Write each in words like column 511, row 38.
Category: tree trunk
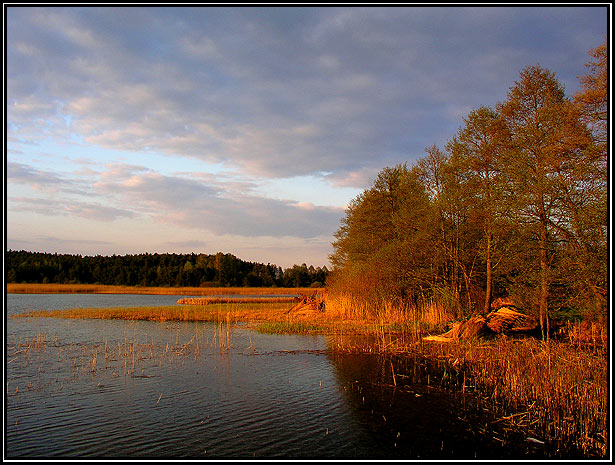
column 544, row 283
column 487, row 305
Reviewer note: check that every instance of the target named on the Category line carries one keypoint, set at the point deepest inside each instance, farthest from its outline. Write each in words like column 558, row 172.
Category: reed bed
column 291, row 327
column 229, row 300
column 100, row 360
column 212, row 312
column 33, row 288
column 556, row 391
column 429, row 316
column 586, row 335
column 553, row 390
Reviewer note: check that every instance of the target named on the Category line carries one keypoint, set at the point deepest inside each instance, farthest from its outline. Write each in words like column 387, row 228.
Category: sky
column 246, row 130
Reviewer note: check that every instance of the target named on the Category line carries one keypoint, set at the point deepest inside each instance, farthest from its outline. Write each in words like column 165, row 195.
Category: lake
column 140, row 389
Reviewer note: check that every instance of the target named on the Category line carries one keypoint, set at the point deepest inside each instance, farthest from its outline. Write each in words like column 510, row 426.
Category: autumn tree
column 477, row 152
column 366, row 228
column 586, row 197
column 375, row 248
column 546, row 140
column 431, row 169
column 592, row 100
column 411, row 257
column 516, row 204
column 442, row 180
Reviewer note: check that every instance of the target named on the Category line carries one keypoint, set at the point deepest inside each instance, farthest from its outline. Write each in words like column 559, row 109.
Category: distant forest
column 163, row 270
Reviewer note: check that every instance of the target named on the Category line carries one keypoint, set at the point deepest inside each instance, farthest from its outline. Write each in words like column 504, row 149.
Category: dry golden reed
column 394, row 314
column 228, row 300
column 33, row 288
column 557, row 391
column 553, row 389
column 213, row 312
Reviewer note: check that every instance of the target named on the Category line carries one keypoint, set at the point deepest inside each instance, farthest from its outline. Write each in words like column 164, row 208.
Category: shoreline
column 37, row 288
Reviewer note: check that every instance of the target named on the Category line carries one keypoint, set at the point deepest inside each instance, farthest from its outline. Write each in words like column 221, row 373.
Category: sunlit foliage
column 515, row 207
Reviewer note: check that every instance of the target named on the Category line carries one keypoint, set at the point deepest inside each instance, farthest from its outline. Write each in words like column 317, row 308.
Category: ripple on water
column 285, row 397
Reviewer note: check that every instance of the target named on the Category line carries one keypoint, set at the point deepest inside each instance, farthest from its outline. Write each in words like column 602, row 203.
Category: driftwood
column 306, row 304
column 504, row 320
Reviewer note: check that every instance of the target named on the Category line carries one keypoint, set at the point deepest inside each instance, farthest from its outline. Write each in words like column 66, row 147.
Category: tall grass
column 556, row 392
column 430, row 314
column 291, row 327
column 213, row 312
column 222, row 300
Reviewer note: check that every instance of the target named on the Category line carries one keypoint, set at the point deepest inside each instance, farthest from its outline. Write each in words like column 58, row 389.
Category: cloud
column 194, row 117
column 44, row 180
column 67, row 207
column 201, row 201
column 275, row 93
column 362, row 177
column 210, row 206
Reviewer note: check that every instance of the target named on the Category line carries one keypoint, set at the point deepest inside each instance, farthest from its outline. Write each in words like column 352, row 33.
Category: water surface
column 142, row 389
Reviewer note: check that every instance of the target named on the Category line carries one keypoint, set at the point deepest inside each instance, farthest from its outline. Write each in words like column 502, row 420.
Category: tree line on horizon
column 157, row 270
column 514, row 206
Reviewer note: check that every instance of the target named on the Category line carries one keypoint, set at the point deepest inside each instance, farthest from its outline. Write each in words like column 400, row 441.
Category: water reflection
column 413, row 409
column 139, row 389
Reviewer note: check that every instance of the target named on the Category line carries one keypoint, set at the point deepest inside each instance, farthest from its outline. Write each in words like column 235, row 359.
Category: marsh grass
column 34, row 288
column 586, row 335
column 554, row 391
column 213, row 312
column 243, row 300
column 291, row 327
column 100, row 360
column 428, row 316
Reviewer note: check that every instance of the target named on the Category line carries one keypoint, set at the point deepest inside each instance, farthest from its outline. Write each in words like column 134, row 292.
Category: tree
column 368, row 223
column 586, row 196
column 593, row 99
column 546, row 140
column 441, row 181
column 413, row 252
column 383, row 249
column 364, row 246
column 477, row 152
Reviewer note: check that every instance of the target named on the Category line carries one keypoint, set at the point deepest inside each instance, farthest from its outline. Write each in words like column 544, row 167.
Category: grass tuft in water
column 290, row 327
